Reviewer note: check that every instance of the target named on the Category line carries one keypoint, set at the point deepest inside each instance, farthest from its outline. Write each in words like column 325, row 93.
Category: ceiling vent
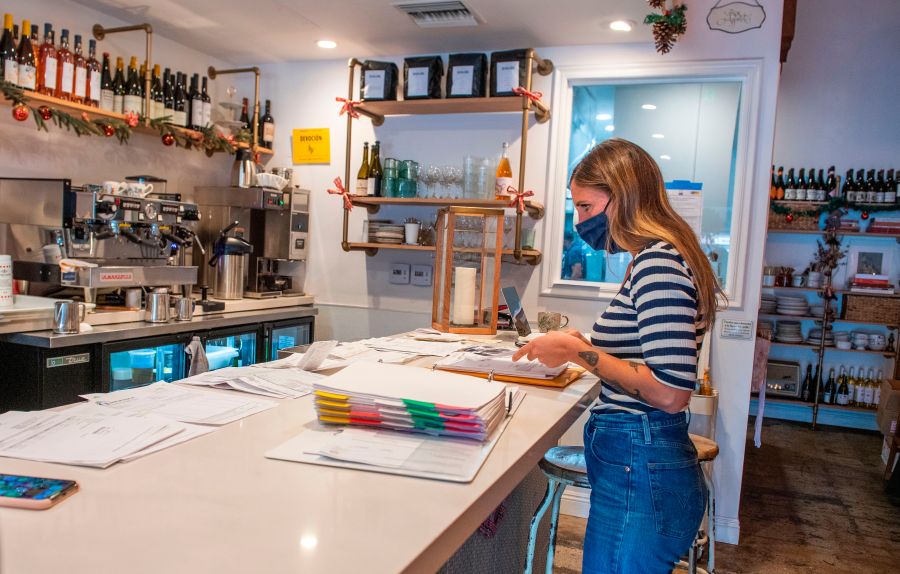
column 439, row 14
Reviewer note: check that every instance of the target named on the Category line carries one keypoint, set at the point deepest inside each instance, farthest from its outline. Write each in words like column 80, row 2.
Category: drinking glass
column 433, row 173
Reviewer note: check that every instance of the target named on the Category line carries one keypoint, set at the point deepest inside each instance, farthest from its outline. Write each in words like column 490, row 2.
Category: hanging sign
column 735, row 17
column 311, row 145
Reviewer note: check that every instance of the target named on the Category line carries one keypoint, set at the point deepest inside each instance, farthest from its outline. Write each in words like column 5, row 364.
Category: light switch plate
column 421, row 275
column 400, row 273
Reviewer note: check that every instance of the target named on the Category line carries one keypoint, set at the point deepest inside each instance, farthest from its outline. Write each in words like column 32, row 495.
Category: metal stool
column 564, row 466
column 707, row 450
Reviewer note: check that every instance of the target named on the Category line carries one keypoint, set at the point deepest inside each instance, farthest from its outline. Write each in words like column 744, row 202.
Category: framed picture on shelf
column 869, row 260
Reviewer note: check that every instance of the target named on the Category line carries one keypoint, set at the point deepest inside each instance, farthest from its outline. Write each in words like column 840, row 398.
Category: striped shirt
column 651, row 321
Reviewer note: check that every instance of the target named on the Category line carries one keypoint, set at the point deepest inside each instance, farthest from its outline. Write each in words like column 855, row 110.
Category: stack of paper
column 497, row 360
column 410, row 345
column 410, row 399
column 269, row 382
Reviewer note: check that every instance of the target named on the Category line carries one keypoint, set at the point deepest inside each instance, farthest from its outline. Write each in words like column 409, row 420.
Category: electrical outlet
column 421, row 275
column 400, row 273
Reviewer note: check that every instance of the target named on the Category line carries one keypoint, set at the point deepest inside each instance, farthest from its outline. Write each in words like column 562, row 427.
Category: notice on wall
column 311, row 145
column 732, row 329
column 688, row 203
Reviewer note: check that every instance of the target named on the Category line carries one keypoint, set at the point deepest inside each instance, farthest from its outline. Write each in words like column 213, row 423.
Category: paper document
column 410, row 345
column 182, row 404
column 316, row 354
column 269, row 382
column 488, row 358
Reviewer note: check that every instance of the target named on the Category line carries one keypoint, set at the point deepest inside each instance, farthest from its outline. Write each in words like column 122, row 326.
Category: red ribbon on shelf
column 132, row 119
column 348, row 107
column 533, row 96
column 348, row 205
column 518, row 201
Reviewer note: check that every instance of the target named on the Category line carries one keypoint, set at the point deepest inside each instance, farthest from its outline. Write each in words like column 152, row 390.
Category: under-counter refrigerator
column 233, row 347
column 287, row 333
column 139, row 362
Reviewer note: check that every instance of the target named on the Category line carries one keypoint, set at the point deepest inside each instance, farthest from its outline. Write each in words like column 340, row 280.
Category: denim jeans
column 647, row 492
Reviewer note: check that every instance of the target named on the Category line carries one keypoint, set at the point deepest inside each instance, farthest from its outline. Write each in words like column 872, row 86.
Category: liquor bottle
column 504, row 176
column 196, row 103
column 830, row 185
column 157, row 100
column 877, row 396
column 843, row 392
column 801, row 185
column 773, row 187
column 879, row 187
column 790, row 186
column 870, row 186
column 806, row 393
column 181, row 104
column 207, row 103
column 47, row 63
column 245, row 117
column 828, row 397
column 119, row 87
column 65, row 71
column 94, row 83
column 890, row 190
column 107, row 89
column 362, row 176
column 8, row 57
column 860, row 186
column 26, row 65
column 780, row 183
column 132, row 98
column 375, row 172
column 812, row 188
column 79, row 92
column 168, row 95
column 851, row 387
column 849, row 189
column 822, row 191
column 267, row 131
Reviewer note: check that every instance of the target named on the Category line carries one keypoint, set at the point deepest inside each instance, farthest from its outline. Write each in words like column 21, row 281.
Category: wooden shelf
column 494, row 105
column 840, row 233
column 810, row 318
column 833, row 415
column 95, row 113
column 373, row 204
column 886, row 354
column 836, row 291
column 533, row 256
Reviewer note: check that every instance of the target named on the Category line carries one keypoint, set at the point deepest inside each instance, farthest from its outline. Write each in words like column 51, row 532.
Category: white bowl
column 874, row 347
column 843, row 345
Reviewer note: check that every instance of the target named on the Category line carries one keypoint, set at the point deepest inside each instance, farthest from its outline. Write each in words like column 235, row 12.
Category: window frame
column 746, row 71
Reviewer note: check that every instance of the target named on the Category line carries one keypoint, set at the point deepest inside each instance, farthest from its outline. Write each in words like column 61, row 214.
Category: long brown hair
column 639, row 212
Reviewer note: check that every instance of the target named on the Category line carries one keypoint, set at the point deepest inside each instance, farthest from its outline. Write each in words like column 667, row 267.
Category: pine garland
column 833, row 204
column 668, row 26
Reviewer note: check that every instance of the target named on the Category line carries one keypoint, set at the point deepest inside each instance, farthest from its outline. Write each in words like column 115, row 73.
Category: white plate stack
column 796, row 306
column 815, row 337
column 768, row 305
column 389, row 234
column 788, row 332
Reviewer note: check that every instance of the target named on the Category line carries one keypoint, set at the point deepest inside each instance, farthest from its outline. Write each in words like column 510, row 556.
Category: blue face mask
column 595, row 232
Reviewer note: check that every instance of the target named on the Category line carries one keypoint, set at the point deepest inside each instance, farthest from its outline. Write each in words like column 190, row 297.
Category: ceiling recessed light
column 603, row 117
column 648, row 107
column 327, row 44
column 658, row 136
column 664, row 156
column 620, row 25
column 610, row 128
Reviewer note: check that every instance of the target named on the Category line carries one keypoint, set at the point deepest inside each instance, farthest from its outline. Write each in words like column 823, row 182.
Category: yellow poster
column 311, row 145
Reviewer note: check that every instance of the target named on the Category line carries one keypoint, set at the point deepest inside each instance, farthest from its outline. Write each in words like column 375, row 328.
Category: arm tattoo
column 589, row 357
column 635, row 366
column 635, row 394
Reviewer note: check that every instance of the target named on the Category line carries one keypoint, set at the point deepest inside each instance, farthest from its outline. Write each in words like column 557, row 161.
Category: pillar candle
column 463, row 310
column 6, row 281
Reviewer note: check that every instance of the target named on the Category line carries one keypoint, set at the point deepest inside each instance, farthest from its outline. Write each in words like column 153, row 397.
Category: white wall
column 305, row 92
column 26, row 152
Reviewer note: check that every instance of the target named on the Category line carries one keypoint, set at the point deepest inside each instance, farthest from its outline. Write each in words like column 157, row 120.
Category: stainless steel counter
column 132, row 330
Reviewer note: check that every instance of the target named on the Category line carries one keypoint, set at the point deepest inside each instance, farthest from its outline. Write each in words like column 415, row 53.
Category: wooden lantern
column 467, row 270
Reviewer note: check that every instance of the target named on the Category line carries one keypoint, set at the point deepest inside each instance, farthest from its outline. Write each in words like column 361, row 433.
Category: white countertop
column 216, row 504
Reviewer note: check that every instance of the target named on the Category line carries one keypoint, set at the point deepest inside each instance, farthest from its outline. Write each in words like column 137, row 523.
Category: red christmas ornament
column 20, row 112
column 789, row 217
column 109, row 131
column 46, row 113
column 865, row 215
column 168, row 139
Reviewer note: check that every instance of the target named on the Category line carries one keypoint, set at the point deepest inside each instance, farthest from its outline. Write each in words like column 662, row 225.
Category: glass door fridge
column 139, row 362
column 235, row 347
column 287, row 333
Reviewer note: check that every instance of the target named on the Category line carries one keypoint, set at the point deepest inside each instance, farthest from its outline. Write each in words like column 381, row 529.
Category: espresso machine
column 274, row 222
column 118, row 241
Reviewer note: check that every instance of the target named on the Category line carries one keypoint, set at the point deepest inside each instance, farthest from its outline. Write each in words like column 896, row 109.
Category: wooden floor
column 812, row 503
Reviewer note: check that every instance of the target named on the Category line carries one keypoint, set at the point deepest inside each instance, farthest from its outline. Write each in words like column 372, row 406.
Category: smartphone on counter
column 33, row 492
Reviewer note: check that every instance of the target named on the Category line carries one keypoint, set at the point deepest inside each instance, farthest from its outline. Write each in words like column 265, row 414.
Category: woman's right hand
column 577, row 334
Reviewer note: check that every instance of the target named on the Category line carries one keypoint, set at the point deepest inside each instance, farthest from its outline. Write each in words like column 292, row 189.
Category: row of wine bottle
column 55, row 70
column 848, row 389
column 872, row 188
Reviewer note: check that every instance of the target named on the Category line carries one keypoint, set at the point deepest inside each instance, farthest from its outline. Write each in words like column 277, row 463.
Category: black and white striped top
column 651, row 320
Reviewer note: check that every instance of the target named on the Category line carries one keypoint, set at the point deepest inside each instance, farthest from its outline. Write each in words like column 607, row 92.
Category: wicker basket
column 800, row 223
column 871, row 308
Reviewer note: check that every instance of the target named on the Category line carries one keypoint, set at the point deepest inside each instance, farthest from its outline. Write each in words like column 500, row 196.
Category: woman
column 647, row 491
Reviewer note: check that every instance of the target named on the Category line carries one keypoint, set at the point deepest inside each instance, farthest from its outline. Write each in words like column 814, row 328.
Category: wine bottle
column 861, row 389
column 843, row 392
column 196, row 104
column 119, row 87
column 181, row 105
column 877, row 391
column 860, row 186
column 870, row 186
column 26, row 74
column 773, row 187
column 157, row 99
column 828, row 397
column 79, row 92
column 831, row 183
column 504, row 176
column 267, row 129
column 806, row 387
column 107, row 90
column 362, row 176
column 790, row 190
column 870, row 388
column 812, row 187
column 132, row 98
column 94, row 83
column 801, row 185
column 15, row 35
column 8, row 57
column 168, row 95
column 65, row 71
column 780, row 182
column 245, row 117
column 48, row 63
column 207, row 104
column 851, row 386
column 375, row 172
column 879, row 186
column 822, row 191
column 890, row 192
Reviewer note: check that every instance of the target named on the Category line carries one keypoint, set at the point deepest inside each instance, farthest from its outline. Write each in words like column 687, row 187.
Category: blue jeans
column 647, row 492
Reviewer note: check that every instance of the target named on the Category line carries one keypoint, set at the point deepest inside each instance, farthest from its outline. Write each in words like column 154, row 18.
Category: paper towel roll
column 463, row 310
column 6, row 281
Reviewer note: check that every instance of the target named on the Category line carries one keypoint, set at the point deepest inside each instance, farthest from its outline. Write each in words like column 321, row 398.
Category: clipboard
column 562, row 380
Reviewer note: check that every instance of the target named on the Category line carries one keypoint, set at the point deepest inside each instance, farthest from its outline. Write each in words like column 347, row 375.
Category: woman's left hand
column 553, row 349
